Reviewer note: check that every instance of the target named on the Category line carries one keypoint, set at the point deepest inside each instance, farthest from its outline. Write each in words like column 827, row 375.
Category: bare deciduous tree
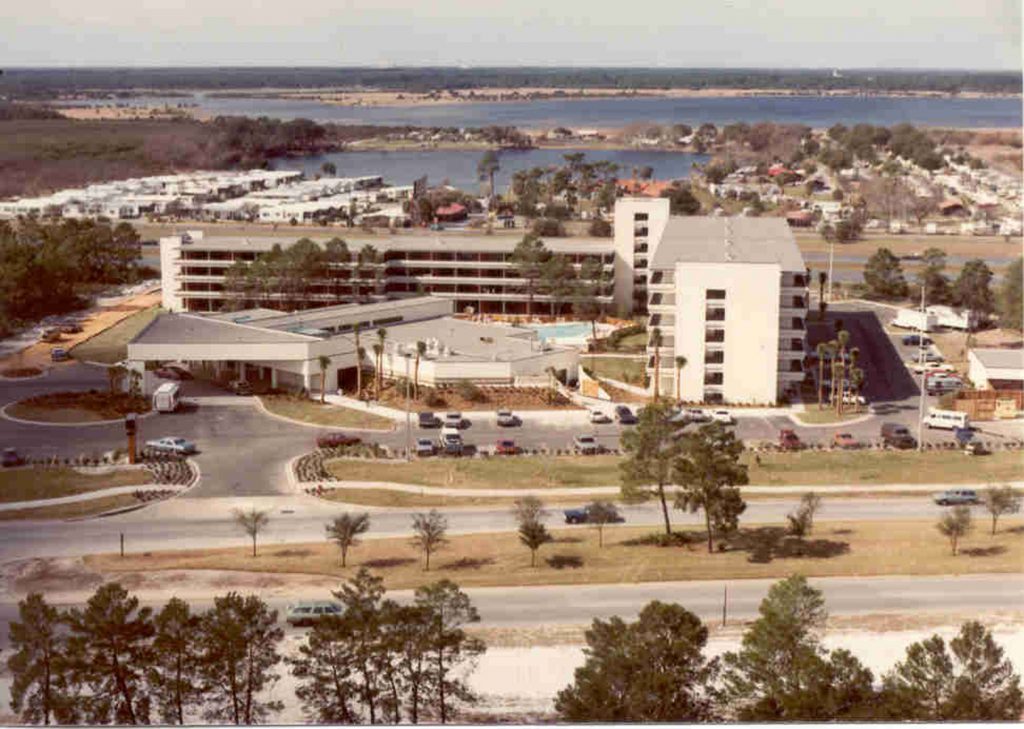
column 429, row 533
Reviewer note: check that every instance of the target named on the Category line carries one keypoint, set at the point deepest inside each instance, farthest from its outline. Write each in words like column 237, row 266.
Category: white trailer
column 947, row 316
column 922, row 321
column 165, row 398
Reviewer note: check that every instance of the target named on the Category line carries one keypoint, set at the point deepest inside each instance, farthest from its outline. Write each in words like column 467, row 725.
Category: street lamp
column 408, row 413
column 921, row 325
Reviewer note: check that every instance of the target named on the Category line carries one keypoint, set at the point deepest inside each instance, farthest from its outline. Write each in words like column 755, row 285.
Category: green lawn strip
column 533, row 472
column 630, row 371
column 77, row 509
column 774, row 469
column 310, row 411
column 111, row 345
column 30, row 484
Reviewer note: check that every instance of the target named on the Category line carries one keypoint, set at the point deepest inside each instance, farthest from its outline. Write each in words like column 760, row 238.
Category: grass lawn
column 519, row 472
column 111, row 345
column 774, row 469
column 310, row 411
column 27, row 484
column 76, row 510
column 381, row 497
column 633, row 342
column 478, row 560
column 77, row 407
column 814, row 416
column 882, row 467
column 630, row 371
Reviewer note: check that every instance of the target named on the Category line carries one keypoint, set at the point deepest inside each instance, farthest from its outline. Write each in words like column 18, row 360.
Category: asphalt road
column 579, row 604
column 182, row 523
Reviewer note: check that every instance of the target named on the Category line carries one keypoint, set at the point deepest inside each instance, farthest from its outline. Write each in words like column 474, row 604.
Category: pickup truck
column 582, row 516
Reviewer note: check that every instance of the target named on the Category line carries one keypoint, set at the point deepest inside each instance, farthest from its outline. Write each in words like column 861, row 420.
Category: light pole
column 408, row 414
column 831, row 250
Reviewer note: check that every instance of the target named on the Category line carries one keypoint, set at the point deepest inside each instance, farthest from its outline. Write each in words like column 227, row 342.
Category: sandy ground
column 120, row 113
column 97, row 320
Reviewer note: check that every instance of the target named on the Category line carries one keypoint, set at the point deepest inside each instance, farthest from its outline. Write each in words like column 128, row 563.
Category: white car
column 586, row 444
column 598, row 416
column 172, row 445
column 453, row 420
column 918, row 367
column 850, row 399
column 723, row 417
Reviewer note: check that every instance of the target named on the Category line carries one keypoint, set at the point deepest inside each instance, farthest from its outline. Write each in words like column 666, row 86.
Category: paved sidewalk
column 614, row 490
column 89, row 496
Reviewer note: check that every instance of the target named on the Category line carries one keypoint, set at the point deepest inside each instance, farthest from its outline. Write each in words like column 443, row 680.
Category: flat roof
column 728, row 240
column 453, row 243
column 1001, row 359
column 192, row 329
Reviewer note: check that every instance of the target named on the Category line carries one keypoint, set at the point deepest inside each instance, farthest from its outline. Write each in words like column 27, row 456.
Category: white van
column 165, row 399
column 947, row 419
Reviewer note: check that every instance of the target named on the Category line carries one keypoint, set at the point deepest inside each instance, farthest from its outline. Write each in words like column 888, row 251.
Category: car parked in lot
column 926, row 367
column 939, row 383
column 508, row 419
column 51, row 335
column 916, row 340
column 599, row 417
column 309, row 612
column 586, row 445
column 10, row 458
column 425, row 447
column 450, row 441
column 698, row 415
column 956, row 497
column 976, row 448
column 58, row 354
column 789, row 440
column 624, row 415
column 506, row 447
column 583, row 516
column 336, row 440
column 723, row 416
column 172, row 445
column 428, row 420
column 850, row 398
column 845, row 440
column 897, row 435
column 454, row 420
column 183, row 371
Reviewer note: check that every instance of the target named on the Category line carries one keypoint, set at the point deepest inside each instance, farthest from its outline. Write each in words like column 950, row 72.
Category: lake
column 815, row 111
column 459, row 166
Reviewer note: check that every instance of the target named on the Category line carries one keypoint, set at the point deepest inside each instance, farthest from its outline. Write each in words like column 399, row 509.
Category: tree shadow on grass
column 565, row 561
column 292, row 553
column 765, row 544
column 984, row 551
column 467, row 563
column 566, row 540
column 1015, row 530
column 387, row 562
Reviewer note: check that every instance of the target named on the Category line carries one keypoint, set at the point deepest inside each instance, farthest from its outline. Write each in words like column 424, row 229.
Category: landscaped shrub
column 471, row 392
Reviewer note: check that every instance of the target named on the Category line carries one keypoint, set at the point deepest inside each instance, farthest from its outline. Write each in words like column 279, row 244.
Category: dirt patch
column 17, row 372
column 51, row 574
column 71, row 407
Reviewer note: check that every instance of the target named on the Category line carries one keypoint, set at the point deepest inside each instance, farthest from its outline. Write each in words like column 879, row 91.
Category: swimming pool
column 566, row 330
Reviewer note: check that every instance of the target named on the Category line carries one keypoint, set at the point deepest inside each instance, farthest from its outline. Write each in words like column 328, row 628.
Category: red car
column 506, row 447
column 165, row 373
column 844, row 440
column 336, row 440
column 789, row 440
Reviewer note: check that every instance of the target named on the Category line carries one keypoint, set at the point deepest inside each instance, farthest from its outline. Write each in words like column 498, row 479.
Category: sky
column 963, row 34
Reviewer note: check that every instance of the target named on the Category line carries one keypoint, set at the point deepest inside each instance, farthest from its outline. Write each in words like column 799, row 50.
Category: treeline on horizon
column 46, row 82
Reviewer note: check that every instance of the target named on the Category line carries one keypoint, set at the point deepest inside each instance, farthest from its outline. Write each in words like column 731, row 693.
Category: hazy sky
column 785, row 33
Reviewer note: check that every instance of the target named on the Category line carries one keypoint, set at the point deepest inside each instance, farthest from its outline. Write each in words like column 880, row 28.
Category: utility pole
column 408, row 414
column 725, row 603
column 831, row 251
column 922, row 323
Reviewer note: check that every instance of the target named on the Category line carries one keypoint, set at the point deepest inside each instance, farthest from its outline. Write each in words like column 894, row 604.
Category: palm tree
column 551, row 381
column 324, row 361
column 656, row 343
column 115, row 376
column 382, row 335
column 378, row 350
column 822, row 278
column 844, row 338
column 421, row 349
column 360, row 353
column 680, row 363
column 823, row 352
